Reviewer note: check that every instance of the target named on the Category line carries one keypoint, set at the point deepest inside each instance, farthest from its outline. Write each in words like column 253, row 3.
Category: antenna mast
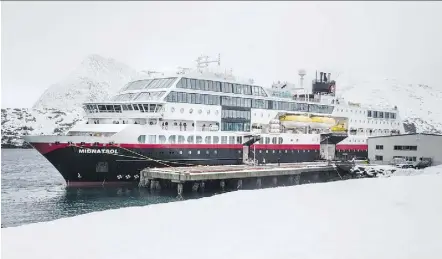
column 150, row 72
column 301, row 74
column 203, row 62
column 183, row 70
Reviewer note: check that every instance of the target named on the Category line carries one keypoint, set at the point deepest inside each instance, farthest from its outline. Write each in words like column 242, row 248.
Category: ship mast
column 203, row 62
column 151, row 72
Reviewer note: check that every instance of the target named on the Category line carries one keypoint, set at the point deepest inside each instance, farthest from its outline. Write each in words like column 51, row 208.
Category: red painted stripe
column 352, row 147
column 287, row 146
column 224, row 146
column 44, row 148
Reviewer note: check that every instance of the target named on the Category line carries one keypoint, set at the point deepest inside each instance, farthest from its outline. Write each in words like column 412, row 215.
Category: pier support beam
column 180, row 190
column 157, row 185
column 258, row 183
column 195, row 187
column 297, row 179
column 202, row 186
column 222, row 184
column 291, row 180
column 239, row 184
column 152, row 184
column 275, row 181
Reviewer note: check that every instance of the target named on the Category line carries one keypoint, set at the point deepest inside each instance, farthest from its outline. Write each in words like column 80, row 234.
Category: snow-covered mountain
column 97, row 78
column 21, row 122
column 418, row 104
column 59, row 107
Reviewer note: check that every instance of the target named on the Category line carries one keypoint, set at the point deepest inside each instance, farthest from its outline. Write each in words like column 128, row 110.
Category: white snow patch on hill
column 19, row 122
column 96, row 79
column 396, row 217
column 417, row 104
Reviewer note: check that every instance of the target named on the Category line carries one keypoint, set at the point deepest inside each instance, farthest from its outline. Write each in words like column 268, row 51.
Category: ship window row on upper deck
column 181, row 97
column 150, row 84
column 117, row 108
column 215, row 86
column 381, row 115
column 143, row 96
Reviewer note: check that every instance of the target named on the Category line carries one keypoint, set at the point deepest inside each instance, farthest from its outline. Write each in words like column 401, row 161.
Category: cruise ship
column 200, row 117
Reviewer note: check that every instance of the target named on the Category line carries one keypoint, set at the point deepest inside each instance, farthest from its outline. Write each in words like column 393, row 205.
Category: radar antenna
column 183, row 70
column 203, row 62
column 150, row 72
column 301, row 73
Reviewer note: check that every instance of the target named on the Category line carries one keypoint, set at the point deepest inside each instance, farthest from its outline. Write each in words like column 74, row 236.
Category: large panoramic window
column 124, row 97
column 137, row 85
column 225, row 87
column 146, row 96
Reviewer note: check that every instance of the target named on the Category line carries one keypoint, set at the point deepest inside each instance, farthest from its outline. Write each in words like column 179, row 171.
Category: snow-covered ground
column 396, row 217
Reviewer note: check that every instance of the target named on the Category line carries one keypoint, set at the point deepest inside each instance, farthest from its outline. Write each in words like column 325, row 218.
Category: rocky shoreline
column 10, row 146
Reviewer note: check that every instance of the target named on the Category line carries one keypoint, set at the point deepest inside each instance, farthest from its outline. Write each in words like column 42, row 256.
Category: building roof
column 409, row 134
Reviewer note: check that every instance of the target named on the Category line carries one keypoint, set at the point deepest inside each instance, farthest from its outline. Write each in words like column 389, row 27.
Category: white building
column 383, row 149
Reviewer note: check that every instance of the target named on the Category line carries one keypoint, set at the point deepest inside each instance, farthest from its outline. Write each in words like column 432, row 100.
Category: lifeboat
column 317, row 122
column 338, row 128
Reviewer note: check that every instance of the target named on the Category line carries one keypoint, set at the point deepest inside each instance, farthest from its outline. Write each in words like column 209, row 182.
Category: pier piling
column 236, row 177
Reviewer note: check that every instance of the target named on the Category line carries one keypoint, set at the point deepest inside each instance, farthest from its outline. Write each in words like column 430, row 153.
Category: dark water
column 33, row 191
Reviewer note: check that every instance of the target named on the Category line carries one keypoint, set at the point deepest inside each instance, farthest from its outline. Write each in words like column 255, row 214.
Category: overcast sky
column 43, row 42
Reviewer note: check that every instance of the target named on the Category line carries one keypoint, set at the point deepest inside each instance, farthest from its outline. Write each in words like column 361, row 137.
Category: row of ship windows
column 373, row 114
column 214, row 86
column 234, row 114
column 381, row 115
column 181, row 97
column 215, row 152
column 372, row 131
column 235, row 126
column 173, row 139
column 117, row 108
column 375, row 122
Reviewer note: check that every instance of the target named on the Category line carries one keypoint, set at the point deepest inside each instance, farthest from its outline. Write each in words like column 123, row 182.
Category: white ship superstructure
column 197, row 117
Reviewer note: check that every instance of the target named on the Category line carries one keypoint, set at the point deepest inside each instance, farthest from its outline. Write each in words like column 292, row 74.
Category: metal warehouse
column 411, row 147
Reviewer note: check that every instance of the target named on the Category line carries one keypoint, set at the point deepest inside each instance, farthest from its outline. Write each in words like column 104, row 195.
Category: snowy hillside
column 418, row 104
column 20, row 122
column 95, row 79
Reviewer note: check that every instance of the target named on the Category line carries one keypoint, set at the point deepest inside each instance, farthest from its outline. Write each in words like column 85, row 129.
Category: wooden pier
column 228, row 177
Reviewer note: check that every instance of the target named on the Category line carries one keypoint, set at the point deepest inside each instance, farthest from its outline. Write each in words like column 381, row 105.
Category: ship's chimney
column 320, row 76
column 329, row 76
column 325, row 77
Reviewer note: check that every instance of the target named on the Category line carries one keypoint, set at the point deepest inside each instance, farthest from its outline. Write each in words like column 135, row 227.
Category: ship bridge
column 150, row 109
